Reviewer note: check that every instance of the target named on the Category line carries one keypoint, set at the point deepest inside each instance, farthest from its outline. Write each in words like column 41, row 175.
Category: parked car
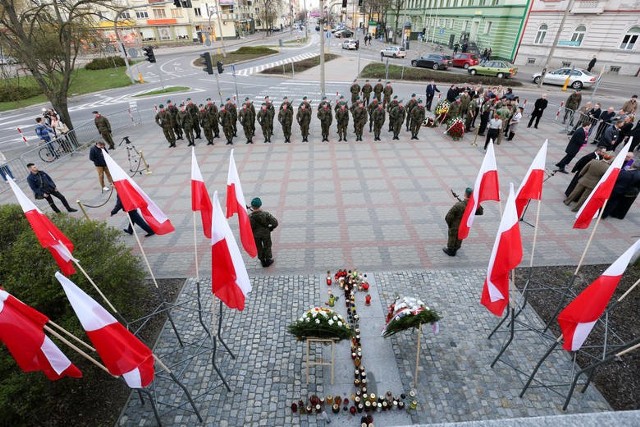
column 465, row 60
column 500, row 69
column 578, row 78
column 394, row 52
column 436, row 61
column 343, row 33
column 350, row 44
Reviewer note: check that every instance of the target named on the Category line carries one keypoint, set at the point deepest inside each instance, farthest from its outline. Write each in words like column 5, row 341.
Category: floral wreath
column 321, row 322
column 406, row 313
column 455, row 128
column 442, row 109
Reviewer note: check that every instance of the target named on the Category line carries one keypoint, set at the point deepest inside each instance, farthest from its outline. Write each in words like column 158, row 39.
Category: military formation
column 368, row 103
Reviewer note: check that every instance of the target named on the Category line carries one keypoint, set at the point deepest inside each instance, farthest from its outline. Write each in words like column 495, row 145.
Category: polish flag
column 486, row 187
column 200, row 200
column 229, row 278
column 49, row 236
column 122, row 353
column 602, row 191
column 133, row 197
column 579, row 317
column 237, row 204
column 505, row 256
column 531, row 186
column 22, row 331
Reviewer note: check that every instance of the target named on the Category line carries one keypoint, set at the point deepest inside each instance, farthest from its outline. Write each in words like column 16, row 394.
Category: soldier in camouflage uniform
column 378, row 116
column 396, row 117
column 104, row 128
column 472, row 112
column 262, row 224
column 359, row 119
column 265, row 123
column 303, row 117
column 455, row 109
column 285, row 117
column 193, row 110
column 372, row 107
column 412, row 103
column 366, row 92
column 339, row 103
column 377, row 91
column 355, row 91
column 226, row 121
column 231, row 108
column 324, row 102
column 417, row 117
column 163, row 119
column 326, row 117
column 390, row 106
column 272, row 113
column 247, row 120
column 306, row 103
column 453, row 219
column 173, row 110
column 205, row 124
column 342, row 120
column 388, row 91
column 186, row 123
column 285, row 101
column 465, row 99
column 212, row 116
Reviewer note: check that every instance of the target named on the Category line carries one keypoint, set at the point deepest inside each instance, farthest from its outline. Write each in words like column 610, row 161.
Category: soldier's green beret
column 208, row 99
column 324, row 97
column 284, row 98
column 419, row 101
column 228, row 99
column 182, row 105
column 201, row 105
column 160, row 106
column 413, row 95
column 256, row 202
column 264, row 104
column 468, row 191
column 388, row 83
column 379, row 80
column 188, row 99
column 395, row 96
column 168, row 101
column 304, row 98
column 367, row 81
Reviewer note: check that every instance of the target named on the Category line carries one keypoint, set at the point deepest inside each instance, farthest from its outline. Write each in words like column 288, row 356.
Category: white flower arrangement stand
column 320, row 361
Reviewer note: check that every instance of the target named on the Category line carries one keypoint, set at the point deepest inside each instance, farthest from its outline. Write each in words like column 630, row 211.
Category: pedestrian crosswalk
column 253, row 70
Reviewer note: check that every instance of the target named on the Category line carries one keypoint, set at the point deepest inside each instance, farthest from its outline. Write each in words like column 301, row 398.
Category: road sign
column 441, row 32
column 133, row 52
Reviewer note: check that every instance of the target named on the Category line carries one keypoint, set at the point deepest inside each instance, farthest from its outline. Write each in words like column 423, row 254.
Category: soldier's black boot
column 449, row 252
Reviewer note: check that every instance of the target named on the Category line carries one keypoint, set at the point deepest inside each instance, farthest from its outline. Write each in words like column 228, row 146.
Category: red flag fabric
column 237, row 204
column 133, row 197
column 122, row 353
column 505, row 256
column 22, row 331
column 49, row 236
column 486, row 187
column 578, row 318
column 229, row 278
column 200, row 200
column 531, row 186
column 602, row 190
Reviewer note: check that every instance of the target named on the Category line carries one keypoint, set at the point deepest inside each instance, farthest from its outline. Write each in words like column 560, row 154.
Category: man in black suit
column 600, row 151
column 431, row 92
column 538, row 108
column 578, row 139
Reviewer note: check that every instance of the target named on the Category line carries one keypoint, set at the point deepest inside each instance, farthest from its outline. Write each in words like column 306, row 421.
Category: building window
column 542, row 33
column 159, row 13
column 578, row 34
column 197, row 11
column 494, row 2
column 465, row 27
column 176, row 13
column 629, row 40
column 142, row 15
column 451, row 23
column 487, row 27
column 125, row 15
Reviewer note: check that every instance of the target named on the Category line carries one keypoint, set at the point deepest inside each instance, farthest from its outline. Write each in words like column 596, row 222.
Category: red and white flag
column 122, row 353
column 505, row 256
column 602, row 190
column 49, row 236
column 133, row 197
column 237, row 204
column 22, row 331
column 579, row 317
column 229, row 278
column 486, row 187
column 200, row 200
column 531, row 186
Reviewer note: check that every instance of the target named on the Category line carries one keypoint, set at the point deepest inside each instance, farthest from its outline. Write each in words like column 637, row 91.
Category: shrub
column 104, row 63
column 26, row 271
column 10, row 92
column 244, row 50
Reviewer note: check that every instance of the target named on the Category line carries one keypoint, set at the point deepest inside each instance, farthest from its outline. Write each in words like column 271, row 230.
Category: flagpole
column 195, row 247
column 415, row 379
column 78, row 350
column 535, row 233
column 593, row 232
column 629, row 290
column 95, row 286
column 70, row 335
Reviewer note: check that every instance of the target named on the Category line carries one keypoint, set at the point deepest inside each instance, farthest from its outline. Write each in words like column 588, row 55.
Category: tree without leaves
column 396, row 6
column 268, row 14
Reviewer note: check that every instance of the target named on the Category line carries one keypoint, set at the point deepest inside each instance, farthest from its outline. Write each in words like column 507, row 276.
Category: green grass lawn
column 245, row 53
column 169, row 89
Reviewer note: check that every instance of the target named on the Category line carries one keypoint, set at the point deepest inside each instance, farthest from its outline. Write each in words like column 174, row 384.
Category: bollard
column 24, row 139
column 559, row 108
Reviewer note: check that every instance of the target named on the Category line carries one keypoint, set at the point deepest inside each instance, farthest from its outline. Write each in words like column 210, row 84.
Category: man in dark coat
column 538, row 108
column 135, row 219
column 43, row 188
column 96, row 156
column 597, row 154
column 578, row 139
column 431, row 92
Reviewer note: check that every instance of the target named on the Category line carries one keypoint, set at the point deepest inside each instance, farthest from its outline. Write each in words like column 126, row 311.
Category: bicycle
column 50, row 152
column 135, row 158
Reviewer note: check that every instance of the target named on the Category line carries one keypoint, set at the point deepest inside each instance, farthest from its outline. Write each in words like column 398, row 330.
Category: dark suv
column 433, row 60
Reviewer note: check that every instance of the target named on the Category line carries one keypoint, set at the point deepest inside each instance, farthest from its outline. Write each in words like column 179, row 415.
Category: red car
column 465, row 60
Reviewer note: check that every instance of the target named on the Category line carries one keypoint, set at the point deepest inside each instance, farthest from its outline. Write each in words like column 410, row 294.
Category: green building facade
column 482, row 24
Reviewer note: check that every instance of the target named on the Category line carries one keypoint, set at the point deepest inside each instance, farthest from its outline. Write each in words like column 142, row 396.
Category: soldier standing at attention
column 396, row 117
column 263, row 120
column 186, row 123
column 262, row 224
column 572, row 105
column 163, row 119
column 390, row 106
column 303, row 117
column 412, row 103
column 342, row 119
column 173, row 110
column 366, row 92
column 104, row 128
column 359, row 119
column 377, row 91
column 326, row 117
column 285, row 101
column 355, row 91
column 388, row 91
column 245, row 116
column 272, row 114
column 205, row 124
column 306, row 103
column 324, row 102
column 285, row 117
column 231, row 108
column 192, row 109
column 417, row 117
column 212, row 116
column 377, row 116
column 226, row 121
column 453, row 218
column 340, row 103
column 371, row 108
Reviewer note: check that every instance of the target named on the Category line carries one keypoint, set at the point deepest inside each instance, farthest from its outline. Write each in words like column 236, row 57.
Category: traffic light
column 220, row 67
column 148, row 52
column 208, row 65
column 344, row 4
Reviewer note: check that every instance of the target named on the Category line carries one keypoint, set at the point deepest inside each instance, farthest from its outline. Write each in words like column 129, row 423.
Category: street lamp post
column 322, row 21
column 216, row 9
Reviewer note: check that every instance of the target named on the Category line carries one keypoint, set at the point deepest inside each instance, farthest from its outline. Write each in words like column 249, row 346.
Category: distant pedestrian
column 538, row 108
column 431, row 92
column 572, row 104
column 43, row 188
column 97, row 157
column 135, row 219
column 495, row 127
column 489, row 54
column 104, row 128
column 455, row 48
column 514, row 122
column 5, row 171
column 577, row 141
column 262, row 224
column 592, row 63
